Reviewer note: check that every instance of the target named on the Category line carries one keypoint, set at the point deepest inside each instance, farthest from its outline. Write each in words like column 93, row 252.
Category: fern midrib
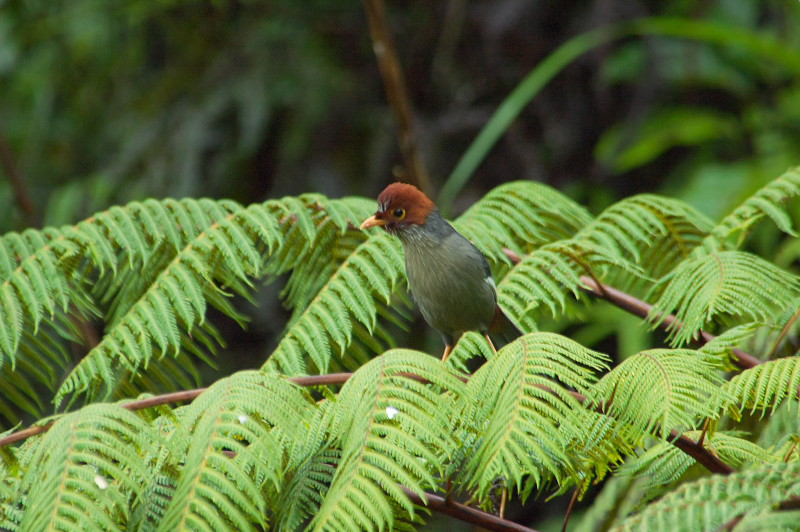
column 197, row 478
column 517, row 406
column 140, row 302
column 342, row 491
column 64, row 476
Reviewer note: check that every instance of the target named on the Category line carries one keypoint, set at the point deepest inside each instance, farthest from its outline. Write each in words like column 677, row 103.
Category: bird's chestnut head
column 400, row 206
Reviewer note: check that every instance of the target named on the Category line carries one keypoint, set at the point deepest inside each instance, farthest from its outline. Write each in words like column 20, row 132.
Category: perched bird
column 449, row 278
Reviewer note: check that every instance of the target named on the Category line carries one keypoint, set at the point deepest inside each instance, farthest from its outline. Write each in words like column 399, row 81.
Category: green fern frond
column 520, row 216
column 721, row 284
column 86, row 469
column 172, row 309
column 779, row 520
column 336, row 238
column 618, row 497
column 153, row 503
column 654, row 231
column 762, row 388
column 306, row 491
column 767, row 201
column 658, row 390
column 370, row 272
column 709, row 503
column 393, row 431
column 33, row 287
column 524, row 415
column 664, row 463
column 249, row 415
column 544, row 278
column 782, row 432
column 722, row 346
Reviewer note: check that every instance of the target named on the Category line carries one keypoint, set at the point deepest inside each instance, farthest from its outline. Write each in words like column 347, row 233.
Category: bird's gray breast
column 451, row 283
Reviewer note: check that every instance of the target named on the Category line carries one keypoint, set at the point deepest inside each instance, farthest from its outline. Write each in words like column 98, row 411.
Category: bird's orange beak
column 372, row 221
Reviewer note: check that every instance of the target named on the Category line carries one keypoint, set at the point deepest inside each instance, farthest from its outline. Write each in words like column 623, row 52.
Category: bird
column 449, row 278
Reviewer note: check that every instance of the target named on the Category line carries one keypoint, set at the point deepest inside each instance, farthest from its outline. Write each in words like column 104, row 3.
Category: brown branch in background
column 396, row 93
column 9, row 167
column 466, row 513
column 642, row 309
column 703, row 456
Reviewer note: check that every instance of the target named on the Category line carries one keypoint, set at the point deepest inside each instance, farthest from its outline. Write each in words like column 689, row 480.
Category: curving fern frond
column 664, row 463
column 85, row 471
column 335, row 238
column 521, row 215
column 524, row 415
column 769, row 521
column 232, row 438
column 781, row 434
column 721, row 284
column 709, row 503
column 174, row 303
column 658, row 390
column 392, row 432
column 762, row 388
column 312, row 465
column 33, row 286
column 618, row 497
column 654, row 231
column 371, row 271
column 767, row 201
column 544, row 278
column 722, row 346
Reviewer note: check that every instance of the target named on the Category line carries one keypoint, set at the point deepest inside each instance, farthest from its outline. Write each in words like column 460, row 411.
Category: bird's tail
column 503, row 328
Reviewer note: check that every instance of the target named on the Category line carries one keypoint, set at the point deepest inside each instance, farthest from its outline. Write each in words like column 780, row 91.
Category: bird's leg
column 486, row 335
column 447, row 350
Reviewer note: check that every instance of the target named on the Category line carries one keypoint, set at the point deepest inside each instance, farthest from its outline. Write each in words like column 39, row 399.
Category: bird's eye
column 399, row 214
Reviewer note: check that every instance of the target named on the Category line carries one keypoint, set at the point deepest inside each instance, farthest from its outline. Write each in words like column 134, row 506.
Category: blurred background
column 103, row 102
column 107, row 101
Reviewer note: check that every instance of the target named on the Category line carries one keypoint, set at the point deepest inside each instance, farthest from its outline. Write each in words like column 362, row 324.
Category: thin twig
column 571, row 507
column 466, row 513
column 396, row 93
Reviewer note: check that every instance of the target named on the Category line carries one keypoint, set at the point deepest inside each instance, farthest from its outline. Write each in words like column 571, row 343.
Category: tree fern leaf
column 762, row 388
column 85, row 469
column 664, row 463
column 156, row 310
column 545, row 276
column 769, row 521
column 725, row 283
column 709, row 503
column 390, row 433
column 765, row 202
column 523, row 412
column 352, row 287
column 248, row 414
column 313, row 464
column 520, row 215
column 654, row 231
column 679, row 385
